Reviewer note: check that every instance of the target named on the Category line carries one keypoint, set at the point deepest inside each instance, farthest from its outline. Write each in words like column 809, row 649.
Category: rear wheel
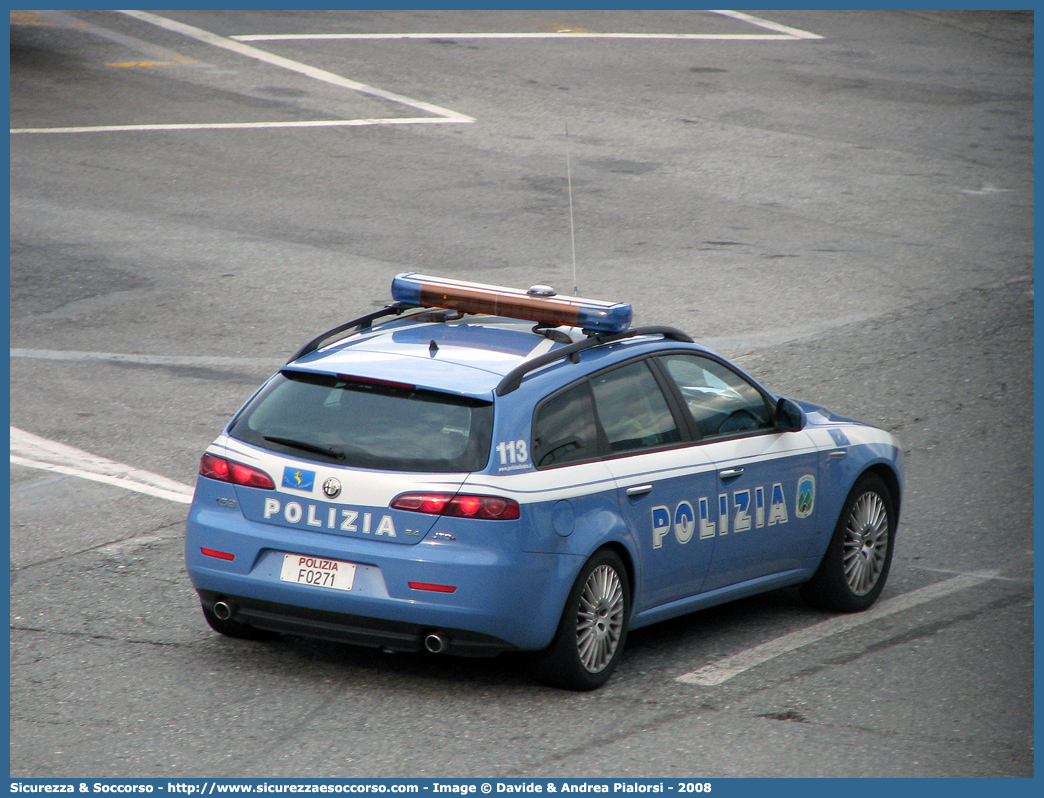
column 855, row 566
column 231, row 628
column 593, row 629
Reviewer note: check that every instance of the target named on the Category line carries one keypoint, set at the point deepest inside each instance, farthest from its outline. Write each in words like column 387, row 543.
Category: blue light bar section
column 421, row 290
column 406, row 289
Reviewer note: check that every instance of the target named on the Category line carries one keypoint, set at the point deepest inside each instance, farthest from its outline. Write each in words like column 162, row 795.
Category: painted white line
column 985, row 191
column 149, row 360
column 764, row 23
column 239, row 125
column 997, row 577
column 126, row 483
column 723, row 670
column 161, row 54
column 33, row 451
column 293, row 66
column 783, row 33
column 441, row 116
column 281, row 37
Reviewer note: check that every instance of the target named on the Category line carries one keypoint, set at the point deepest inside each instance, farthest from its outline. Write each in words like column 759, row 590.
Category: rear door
column 662, row 481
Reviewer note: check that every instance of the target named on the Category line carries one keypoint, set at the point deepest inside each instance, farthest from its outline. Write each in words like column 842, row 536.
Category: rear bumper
column 497, row 596
column 355, row 629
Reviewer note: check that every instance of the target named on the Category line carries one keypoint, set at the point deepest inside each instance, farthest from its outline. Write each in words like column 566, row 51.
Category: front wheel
column 593, row 629
column 855, row 566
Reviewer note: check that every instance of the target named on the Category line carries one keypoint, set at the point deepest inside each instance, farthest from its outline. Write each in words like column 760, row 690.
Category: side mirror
column 789, row 417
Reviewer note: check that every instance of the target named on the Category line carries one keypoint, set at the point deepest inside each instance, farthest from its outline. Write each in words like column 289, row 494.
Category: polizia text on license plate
column 304, row 570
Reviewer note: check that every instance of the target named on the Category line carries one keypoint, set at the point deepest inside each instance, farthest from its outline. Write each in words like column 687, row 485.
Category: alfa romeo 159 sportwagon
column 475, row 469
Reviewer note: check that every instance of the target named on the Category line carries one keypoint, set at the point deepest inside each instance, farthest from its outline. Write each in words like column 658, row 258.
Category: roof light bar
column 421, row 290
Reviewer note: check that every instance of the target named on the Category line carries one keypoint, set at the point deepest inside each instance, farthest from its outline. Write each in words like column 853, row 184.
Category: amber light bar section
column 438, row 292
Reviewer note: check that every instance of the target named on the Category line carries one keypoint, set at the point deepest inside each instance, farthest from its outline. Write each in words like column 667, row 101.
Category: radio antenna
column 572, row 228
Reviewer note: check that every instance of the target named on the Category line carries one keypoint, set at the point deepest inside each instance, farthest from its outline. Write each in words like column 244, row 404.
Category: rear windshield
column 346, row 421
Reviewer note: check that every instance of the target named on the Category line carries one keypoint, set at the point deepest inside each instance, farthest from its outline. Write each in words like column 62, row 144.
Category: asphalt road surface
column 841, row 200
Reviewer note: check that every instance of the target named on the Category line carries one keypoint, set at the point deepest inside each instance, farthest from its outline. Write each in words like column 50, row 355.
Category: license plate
column 318, row 571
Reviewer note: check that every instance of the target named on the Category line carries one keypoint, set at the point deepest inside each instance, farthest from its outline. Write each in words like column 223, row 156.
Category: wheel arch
column 588, row 642
column 831, row 586
column 624, row 554
column 891, row 480
column 621, row 550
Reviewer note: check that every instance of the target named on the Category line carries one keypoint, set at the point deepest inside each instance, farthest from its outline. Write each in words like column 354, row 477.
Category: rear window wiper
column 329, row 451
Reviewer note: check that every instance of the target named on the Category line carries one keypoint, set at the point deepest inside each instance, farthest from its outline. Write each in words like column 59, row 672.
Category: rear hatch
column 340, row 449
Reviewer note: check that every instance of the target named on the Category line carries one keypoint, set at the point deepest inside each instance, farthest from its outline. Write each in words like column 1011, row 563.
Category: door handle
column 730, row 473
column 638, row 490
column 837, row 454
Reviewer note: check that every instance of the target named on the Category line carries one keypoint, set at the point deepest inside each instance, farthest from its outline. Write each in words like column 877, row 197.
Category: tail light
column 214, row 467
column 433, row 588
column 489, row 508
column 221, row 555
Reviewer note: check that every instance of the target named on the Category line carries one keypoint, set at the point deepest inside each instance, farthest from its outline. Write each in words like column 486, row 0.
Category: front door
column 762, row 508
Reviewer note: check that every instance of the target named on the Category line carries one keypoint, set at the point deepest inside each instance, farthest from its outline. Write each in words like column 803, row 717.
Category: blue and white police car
column 475, row 469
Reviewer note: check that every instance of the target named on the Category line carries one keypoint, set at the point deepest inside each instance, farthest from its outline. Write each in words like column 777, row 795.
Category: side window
column 720, row 401
column 632, row 409
column 564, row 430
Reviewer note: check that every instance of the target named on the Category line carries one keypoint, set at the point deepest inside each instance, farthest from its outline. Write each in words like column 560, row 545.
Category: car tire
column 236, row 629
column 593, row 630
column 856, row 564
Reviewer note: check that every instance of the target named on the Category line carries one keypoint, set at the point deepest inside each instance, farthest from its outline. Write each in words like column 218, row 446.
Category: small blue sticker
column 298, row 479
column 839, row 437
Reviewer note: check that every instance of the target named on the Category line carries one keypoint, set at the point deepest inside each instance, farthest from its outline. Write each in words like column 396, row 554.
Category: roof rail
column 514, row 377
column 361, row 323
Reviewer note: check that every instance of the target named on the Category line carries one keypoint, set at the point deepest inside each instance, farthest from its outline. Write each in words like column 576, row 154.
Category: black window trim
column 602, row 444
column 682, row 418
column 690, row 435
column 770, row 406
column 479, row 449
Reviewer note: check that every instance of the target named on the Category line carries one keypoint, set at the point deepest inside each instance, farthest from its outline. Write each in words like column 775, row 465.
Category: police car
column 475, row 469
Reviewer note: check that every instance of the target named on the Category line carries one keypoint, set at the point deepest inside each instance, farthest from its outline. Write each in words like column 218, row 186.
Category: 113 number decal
column 513, row 452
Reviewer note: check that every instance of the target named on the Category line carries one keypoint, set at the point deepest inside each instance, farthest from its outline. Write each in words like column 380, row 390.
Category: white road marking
column 764, row 23
column 783, row 33
column 985, row 191
column 280, row 37
column 996, row 576
column 425, row 120
column 150, row 360
column 36, row 452
column 440, row 115
column 158, row 54
column 723, row 670
column 294, row 66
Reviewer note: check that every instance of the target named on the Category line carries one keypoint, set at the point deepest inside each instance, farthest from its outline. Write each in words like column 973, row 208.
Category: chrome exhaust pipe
column 435, row 643
column 223, row 610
